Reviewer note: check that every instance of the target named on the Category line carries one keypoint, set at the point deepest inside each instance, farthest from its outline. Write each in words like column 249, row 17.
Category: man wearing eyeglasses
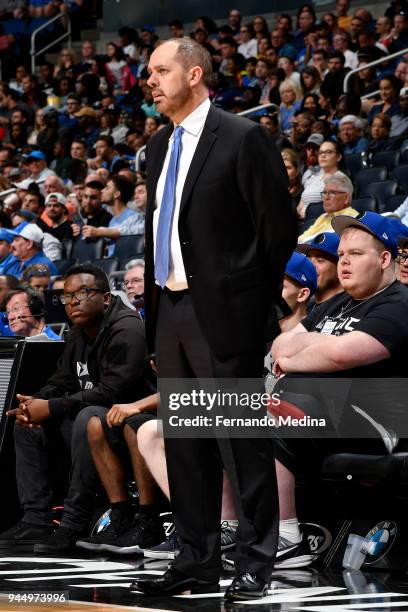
column 102, row 364
column 402, row 261
column 336, row 195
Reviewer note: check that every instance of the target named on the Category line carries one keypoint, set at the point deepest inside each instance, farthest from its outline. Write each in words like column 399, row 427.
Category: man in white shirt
column 220, row 228
column 248, row 46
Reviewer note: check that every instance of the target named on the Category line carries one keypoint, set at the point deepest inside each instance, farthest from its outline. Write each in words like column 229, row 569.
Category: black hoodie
column 115, row 362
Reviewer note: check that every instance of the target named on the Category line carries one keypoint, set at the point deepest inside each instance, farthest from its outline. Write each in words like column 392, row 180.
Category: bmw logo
column 379, row 540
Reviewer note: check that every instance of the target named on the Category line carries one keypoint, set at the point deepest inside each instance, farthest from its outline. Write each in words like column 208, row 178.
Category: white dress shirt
column 193, row 126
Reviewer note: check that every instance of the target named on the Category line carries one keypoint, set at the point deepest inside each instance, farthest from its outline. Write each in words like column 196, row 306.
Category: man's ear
column 303, row 295
column 107, row 297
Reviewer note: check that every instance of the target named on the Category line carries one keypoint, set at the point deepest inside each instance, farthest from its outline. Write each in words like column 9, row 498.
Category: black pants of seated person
column 43, row 453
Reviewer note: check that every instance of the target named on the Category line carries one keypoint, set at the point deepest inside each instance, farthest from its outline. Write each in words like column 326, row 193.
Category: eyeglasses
column 81, row 295
column 16, row 310
column 328, row 152
column 132, row 282
column 331, row 194
column 402, row 258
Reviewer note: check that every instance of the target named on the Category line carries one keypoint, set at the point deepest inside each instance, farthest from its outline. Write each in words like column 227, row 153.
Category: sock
column 149, row 509
column 289, row 529
column 122, row 509
column 231, row 522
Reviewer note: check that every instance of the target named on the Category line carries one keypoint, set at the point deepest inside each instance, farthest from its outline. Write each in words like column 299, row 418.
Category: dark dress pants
column 195, row 465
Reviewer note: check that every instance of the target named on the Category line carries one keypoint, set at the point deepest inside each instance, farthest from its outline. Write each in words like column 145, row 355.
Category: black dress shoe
column 246, row 586
column 172, row 583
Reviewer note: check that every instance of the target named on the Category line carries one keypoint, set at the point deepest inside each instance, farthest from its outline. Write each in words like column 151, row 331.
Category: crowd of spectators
column 70, row 133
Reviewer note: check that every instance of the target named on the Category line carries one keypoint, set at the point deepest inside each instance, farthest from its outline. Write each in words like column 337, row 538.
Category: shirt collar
column 194, row 122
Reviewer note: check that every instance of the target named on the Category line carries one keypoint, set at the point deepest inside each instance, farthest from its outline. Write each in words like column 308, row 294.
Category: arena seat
column 344, row 467
column 394, row 201
column 62, row 265
column 400, row 174
column 129, row 247
column 389, row 159
column 67, row 248
column 367, row 176
column 85, row 251
column 354, row 163
column 108, row 265
column 363, row 204
column 381, row 190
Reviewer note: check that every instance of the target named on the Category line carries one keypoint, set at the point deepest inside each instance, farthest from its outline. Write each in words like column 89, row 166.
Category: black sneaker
column 61, row 541
column 292, row 555
column 25, row 533
column 118, row 525
column 146, row 531
column 228, row 536
column 169, row 549
column 289, row 556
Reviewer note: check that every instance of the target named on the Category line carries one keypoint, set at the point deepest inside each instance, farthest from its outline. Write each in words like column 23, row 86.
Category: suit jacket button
column 185, row 243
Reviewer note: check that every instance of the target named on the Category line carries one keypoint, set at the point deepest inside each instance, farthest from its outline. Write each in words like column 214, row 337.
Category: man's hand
column 119, row 412
column 76, row 229
column 21, row 413
column 89, row 231
column 31, row 411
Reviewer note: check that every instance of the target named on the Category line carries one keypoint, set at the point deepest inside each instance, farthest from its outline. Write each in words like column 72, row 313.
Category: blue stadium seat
column 367, row 176
column 389, row 159
column 354, row 163
column 108, row 265
column 67, row 249
column 400, row 174
column 381, row 191
column 129, row 247
column 363, row 204
column 394, row 201
column 87, row 251
column 62, row 265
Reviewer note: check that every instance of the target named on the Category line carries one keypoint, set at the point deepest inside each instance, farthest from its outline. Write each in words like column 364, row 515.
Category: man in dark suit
column 220, row 227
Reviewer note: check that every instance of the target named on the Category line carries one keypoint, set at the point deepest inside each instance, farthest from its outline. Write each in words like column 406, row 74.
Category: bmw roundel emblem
column 379, row 540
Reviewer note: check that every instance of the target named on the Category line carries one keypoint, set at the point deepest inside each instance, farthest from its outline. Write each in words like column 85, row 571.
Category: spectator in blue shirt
column 117, row 193
column 7, row 259
column 27, row 248
column 350, row 130
column 26, row 314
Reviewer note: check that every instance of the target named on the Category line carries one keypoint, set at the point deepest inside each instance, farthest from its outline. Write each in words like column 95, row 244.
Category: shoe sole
column 295, row 562
column 244, row 597
column 89, row 546
column 152, row 554
column 122, row 550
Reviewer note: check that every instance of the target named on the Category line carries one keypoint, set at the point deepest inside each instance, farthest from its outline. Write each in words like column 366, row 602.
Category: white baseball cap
column 57, row 196
column 30, row 231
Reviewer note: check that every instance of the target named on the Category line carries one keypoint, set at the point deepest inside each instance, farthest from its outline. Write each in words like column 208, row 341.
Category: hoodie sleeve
column 120, row 371
column 62, row 381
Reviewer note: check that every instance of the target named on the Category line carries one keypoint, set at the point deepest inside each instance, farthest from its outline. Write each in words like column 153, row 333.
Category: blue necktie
column 162, row 260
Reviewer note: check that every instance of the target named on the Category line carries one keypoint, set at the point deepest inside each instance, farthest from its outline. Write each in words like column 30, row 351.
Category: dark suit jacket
column 237, row 228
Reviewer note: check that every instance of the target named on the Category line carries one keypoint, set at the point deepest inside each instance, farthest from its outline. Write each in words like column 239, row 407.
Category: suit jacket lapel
column 205, row 144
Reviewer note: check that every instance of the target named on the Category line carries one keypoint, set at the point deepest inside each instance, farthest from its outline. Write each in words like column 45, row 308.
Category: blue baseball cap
column 377, row 225
column 326, row 242
column 6, row 235
column 300, row 269
column 35, row 155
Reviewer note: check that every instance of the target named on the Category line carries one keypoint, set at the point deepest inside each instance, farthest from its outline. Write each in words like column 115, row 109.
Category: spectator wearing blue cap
column 27, row 248
column 336, row 195
column 299, row 284
column 322, row 252
column 7, row 259
column 37, row 166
